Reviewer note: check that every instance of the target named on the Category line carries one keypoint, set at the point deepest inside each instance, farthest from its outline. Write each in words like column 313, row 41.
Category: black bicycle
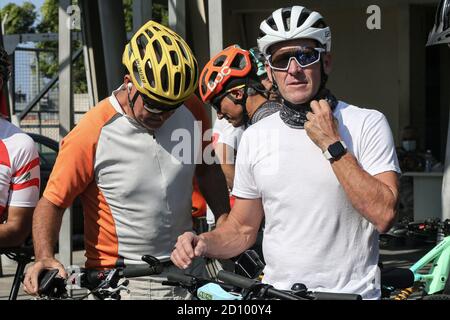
column 231, row 286
column 103, row 285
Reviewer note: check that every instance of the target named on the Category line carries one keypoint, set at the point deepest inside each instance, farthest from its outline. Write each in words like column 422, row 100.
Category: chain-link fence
column 29, row 80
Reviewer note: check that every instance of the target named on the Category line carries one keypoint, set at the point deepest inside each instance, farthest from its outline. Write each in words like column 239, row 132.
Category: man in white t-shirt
column 19, row 176
column 323, row 174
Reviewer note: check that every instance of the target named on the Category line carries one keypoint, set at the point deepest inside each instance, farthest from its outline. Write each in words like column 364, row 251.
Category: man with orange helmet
column 122, row 160
column 230, row 83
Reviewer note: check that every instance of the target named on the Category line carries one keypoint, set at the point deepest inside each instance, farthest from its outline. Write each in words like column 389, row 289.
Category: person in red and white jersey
column 19, row 176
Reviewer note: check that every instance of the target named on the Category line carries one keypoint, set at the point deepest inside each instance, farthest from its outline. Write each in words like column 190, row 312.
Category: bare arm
column 17, row 228
column 226, row 156
column 236, row 234
column 212, row 184
column 375, row 197
column 46, row 224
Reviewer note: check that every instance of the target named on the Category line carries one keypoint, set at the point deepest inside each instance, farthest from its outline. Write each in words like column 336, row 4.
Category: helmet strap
column 131, row 102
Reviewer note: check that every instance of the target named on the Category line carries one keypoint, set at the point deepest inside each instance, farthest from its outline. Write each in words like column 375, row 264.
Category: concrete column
column 112, row 23
column 142, row 12
column 65, row 116
column 177, row 17
column 215, row 33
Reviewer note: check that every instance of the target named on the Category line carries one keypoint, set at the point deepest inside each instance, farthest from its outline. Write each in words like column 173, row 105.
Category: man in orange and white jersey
column 132, row 159
column 19, row 176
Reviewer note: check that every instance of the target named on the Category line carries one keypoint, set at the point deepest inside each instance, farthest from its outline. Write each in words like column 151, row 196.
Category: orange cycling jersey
column 135, row 187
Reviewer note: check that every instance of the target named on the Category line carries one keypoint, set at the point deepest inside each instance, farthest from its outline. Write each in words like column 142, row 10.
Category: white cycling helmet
column 295, row 22
column 441, row 31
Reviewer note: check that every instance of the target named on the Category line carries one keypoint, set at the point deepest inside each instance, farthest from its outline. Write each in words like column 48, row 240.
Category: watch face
column 336, row 149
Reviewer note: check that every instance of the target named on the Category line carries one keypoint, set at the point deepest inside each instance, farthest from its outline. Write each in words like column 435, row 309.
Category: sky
column 37, row 3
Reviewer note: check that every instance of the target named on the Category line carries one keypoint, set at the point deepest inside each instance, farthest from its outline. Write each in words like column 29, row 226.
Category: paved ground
column 399, row 256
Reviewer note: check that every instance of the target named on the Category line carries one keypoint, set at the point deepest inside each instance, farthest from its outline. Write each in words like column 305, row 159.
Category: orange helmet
column 232, row 63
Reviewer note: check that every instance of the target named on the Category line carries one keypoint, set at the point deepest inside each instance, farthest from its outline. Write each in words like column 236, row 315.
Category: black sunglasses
column 155, row 106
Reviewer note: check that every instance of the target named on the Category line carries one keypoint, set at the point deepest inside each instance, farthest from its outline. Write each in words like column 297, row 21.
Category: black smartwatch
column 335, row 150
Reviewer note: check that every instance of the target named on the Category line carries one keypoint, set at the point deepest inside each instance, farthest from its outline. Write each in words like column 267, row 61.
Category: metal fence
column 28, row 81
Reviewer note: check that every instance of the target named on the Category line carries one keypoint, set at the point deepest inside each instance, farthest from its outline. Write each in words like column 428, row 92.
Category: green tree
column 20, row 18
column 49, row 23
column 49, row 17
column 128, row 11
column 49, row 60
column 160, row 14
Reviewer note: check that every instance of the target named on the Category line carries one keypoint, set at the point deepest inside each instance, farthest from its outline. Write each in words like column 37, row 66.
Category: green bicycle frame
column 437, row 277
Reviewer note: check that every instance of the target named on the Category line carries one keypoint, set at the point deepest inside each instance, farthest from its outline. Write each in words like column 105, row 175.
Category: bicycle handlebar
column 249, row 284
column 236, row 280
column 246, row 283
column 181, row 278
column 96, row 279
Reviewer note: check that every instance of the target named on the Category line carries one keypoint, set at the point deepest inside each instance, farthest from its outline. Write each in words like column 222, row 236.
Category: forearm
column 212, row 184
column 17, row 228
column 373, row 199
column 228, row 171
column 229, row 239
column 46, row 224
column 10, row 237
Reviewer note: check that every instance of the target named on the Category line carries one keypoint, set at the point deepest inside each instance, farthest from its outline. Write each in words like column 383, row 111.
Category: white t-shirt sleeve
column 227, row 134
column 25, row 179
column 378, row 153
column 244, row 181
column 231, row 136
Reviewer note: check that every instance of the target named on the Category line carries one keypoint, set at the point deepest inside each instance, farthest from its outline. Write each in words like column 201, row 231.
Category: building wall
column 384, row 69
column 371, row 67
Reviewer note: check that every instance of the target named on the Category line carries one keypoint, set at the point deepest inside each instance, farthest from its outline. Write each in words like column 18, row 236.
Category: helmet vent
column 303, row 16
column 239, row 62
column 149, row 74
column 183, row 50
column 174, row 57
column 158, row 51
column 164, row 78
column 213, row 77
column 142, row 43
column 177, row 84
column 149, row 33
column 320, row 24
column 167, row 40
column 203, row 81
column 188, row 76
column 219, row 61
column 286, row 17
column 137, row 77
column 271, row 23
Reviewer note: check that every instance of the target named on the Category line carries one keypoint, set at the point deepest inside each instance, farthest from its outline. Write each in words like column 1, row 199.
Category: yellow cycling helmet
column 161, row 65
